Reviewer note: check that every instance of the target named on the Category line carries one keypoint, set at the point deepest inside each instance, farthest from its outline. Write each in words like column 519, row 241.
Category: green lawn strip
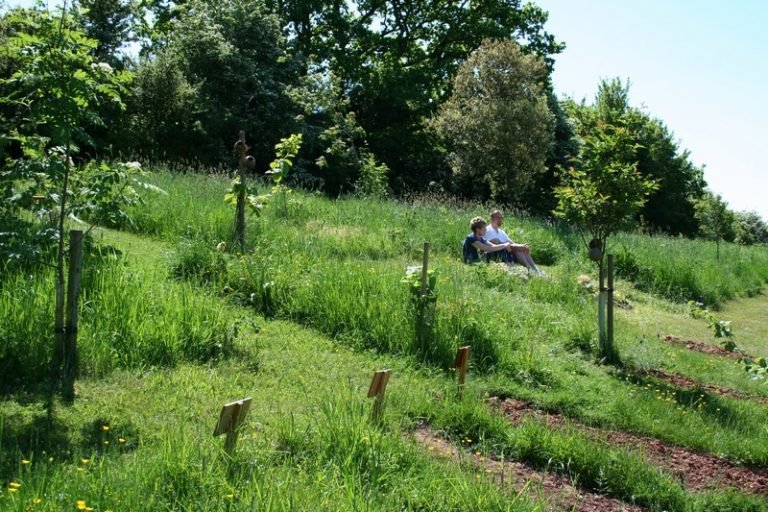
column 676, row 268
column 750, row 322
column 363, row 304
column 308, row 443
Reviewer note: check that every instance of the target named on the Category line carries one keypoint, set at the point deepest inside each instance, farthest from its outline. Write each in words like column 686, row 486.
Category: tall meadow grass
column 129, row 318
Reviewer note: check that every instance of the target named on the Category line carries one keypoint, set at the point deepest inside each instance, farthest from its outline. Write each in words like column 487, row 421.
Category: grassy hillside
column 174, row 324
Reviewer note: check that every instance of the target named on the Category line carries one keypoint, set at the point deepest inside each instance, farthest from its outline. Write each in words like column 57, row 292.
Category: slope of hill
column 174, row 324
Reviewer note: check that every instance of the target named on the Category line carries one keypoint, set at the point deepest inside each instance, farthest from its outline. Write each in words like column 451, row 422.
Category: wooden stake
column 231, row 417
column 69, row 352
column 240, row 150
column 462, row 364
column 601, row 315
column 424, row 266
column 609, row 332
column 376, row 391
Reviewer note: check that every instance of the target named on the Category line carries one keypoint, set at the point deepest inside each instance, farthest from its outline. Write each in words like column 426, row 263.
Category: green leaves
column 285, row 151
column 604, row 192
column 279, row 169
column 54, row 98
column 497, row 126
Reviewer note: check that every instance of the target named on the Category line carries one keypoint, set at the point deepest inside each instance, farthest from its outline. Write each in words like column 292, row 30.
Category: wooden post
column 462, row 364
column 240, row 151
column 231, row 417
column 609, row 299
column 376, row 391
column 424, row 268
column 69, row 352
column 601, row 315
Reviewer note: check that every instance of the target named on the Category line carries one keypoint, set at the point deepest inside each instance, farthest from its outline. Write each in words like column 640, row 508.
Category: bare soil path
column 696, row 471
column 557, row 490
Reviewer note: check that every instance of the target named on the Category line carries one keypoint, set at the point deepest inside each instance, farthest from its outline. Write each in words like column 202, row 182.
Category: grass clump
column 129, row 318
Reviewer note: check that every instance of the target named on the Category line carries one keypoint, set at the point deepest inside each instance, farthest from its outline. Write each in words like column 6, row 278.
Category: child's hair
column 477, row 223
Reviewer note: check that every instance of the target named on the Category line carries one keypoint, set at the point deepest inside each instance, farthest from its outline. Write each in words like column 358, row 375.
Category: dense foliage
column 497, row 125
column 364, row 83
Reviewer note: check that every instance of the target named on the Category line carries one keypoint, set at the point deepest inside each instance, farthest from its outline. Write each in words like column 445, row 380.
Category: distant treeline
column 436, row 95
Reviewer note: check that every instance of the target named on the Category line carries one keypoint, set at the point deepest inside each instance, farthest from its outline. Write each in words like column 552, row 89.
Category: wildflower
column 80, row 469
column 37, row 501
column 10, row 489
column 50, row 459
column 80, row 505
column 14, row 485
column 25, row 461
column 121, row 440
column 85, row 461
column 229, row 496
column 105, row 428
column 106, row 442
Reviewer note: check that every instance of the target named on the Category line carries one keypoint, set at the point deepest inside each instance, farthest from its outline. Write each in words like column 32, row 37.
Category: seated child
column 475, row 242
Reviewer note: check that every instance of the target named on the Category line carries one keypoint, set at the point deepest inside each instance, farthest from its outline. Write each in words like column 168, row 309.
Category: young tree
column 659, row 158
column 56, row 93
column 715, row 219
column 602, row 196
column 497, row 125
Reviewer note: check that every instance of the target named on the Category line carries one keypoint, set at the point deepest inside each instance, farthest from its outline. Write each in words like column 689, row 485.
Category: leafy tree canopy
column 603, row 193
column 397, row 61
column 659, row 157
column 497, row 124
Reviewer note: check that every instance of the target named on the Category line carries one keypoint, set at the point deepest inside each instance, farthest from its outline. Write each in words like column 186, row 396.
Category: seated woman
column 475, row 242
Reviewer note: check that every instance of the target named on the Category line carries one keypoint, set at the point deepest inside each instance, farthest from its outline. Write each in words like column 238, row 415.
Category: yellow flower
column 10, row 489
column 14, row 485
column 105, row 428
column 85, row 461
column 37, row 501
column 229, row 496
column 106, row 442
column 121, row 440
column 80, row 505
column 50, row 459
column 80, row 469
column 88, row 509
column 25, row 461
